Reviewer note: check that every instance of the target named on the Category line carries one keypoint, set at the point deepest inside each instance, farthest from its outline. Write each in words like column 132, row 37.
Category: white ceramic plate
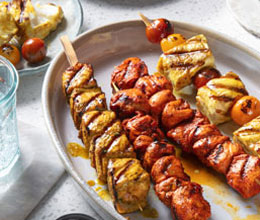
column 70, row 25
column 106, row 47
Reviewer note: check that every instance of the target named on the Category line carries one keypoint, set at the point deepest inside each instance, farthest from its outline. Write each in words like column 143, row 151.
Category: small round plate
column 70, row 25
column 246, row 13
column 76, row 216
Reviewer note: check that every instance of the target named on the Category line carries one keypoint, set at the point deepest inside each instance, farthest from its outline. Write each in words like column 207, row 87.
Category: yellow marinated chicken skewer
column 102, row 134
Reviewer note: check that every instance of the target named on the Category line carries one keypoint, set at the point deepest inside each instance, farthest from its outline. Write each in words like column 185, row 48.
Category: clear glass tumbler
column 9, row 145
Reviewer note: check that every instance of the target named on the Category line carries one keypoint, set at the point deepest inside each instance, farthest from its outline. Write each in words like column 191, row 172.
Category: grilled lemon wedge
column 8, row 26
column 35, row 21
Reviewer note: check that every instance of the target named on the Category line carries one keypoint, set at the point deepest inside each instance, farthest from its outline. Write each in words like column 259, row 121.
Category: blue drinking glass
column 9, row 145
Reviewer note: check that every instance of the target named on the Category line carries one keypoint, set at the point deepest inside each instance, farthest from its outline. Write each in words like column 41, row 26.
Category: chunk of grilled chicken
column 189, row 195
column 127, row 73
column 113, row 143
column 152, row 84
column 159, row 100
column 217, row 97
column 141, row 143
column 166, row 167
column 203, row 147
column 183, row 61
column 183, row 133
column 175, row 112
column 128, row 102
column 244, row 175
column 249, row 136
column 79, row 76
column 129, row 184
column 142, row 125
column 155, row 151
column 103, row 137
column 94, row 124
column 83, row 100
column 175, row 190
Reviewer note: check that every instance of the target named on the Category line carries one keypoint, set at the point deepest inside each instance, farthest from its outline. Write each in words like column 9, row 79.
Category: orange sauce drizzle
column 201, row 174
column 149, row 212
column 104, row 194
column 76, row 150
column 91, row 183
column 98, row 188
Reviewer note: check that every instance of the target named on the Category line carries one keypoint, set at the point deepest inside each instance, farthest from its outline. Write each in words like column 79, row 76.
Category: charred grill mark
column 222, row 86
column 127, row 166
column 212, row 150
column 73, row 77
column 246, row 107
column 222, row 98
column 138, row 177
column 86, row 104
column 113, row 184
column 105, row 128
column 248, row 130
column 187, row 52
column 22, row 7
column 92, row 119
column 245, row 168
column 220, row 149
column 182, row 65
column 79, row 72
column 106, row 148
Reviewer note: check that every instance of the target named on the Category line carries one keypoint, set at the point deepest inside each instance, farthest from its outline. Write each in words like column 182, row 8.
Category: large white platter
column 106, row 47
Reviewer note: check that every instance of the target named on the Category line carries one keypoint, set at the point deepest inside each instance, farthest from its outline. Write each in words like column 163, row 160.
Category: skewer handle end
column 69, row 50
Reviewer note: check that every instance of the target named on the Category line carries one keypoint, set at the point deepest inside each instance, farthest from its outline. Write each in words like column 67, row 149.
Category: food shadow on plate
column 60, row 29
column 136, row 3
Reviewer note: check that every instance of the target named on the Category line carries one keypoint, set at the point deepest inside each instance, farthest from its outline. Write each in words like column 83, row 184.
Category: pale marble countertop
column 64, row 197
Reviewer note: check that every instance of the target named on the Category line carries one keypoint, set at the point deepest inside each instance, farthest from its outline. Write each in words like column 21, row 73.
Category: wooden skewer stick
column 146, row 20
column 140, row 207
column 115, row 87
column 69, row 50
column 257, row 181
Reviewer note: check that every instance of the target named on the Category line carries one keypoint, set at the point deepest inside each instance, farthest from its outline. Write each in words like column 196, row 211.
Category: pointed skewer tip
column 146, row 20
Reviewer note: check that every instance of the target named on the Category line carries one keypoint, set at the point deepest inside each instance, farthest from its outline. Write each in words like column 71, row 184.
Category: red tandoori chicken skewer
column 172, row 184
column 185, row 126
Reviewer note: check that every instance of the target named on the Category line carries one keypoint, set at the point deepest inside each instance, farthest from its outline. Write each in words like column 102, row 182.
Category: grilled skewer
column 101, row 132
column 220, row 98
column 172, row 184
column 194, row 133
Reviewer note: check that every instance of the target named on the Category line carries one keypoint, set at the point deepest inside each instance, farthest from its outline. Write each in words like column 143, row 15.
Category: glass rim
column 15, row 82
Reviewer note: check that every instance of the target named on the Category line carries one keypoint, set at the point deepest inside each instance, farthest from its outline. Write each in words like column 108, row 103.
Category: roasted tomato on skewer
column 157, row 29
column 245, row 109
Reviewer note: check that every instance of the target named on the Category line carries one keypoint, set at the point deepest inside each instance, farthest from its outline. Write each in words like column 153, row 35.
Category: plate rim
column 46, row 102
column 41, row 68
